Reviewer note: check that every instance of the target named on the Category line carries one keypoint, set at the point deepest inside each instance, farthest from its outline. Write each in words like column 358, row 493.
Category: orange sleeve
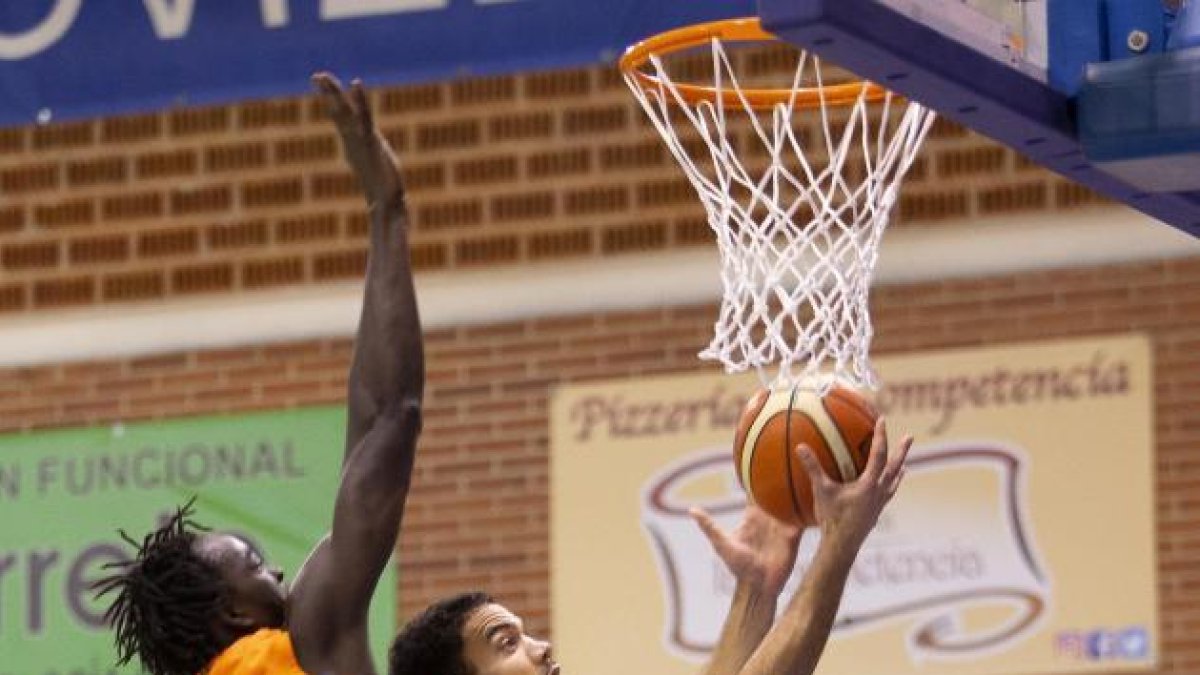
column 267, row 652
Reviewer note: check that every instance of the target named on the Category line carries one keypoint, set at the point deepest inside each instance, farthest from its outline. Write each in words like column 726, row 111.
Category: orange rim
column 734, row 30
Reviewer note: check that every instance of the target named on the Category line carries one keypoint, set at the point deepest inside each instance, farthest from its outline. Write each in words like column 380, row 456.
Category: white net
column 798, row 203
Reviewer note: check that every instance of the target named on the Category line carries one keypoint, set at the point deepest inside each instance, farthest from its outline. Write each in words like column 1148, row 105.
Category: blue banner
column 70, row 59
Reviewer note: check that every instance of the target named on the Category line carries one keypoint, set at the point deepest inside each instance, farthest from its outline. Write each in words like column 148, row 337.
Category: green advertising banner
column 270, row 477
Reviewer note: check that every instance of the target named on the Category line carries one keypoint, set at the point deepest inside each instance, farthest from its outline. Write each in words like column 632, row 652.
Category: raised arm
column 847, row 513
column 329, row 601
column 760, row 554
column 388, row 363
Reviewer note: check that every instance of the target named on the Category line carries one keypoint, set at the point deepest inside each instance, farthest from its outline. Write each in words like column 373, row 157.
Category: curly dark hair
column 432, row 643
column 167, row 598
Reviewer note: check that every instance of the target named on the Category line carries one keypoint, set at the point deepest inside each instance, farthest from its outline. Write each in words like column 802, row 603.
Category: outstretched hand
column 366, row 150
column 847, row 512
column 761, row 552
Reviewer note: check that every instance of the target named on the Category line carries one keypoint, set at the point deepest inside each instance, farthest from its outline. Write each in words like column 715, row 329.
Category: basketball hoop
column 799, row 235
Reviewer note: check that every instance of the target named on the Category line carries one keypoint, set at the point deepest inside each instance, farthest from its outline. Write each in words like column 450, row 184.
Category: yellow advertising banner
column 1022, row 541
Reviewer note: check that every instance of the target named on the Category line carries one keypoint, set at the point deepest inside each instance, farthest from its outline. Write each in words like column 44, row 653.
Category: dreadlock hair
column 432, row 643
column 167, row 598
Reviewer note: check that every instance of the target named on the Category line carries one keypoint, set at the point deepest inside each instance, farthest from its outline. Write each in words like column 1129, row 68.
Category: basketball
column 838, row 427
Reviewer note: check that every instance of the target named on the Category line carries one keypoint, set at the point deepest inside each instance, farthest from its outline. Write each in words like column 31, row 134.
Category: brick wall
column 478, row 511
column 501, row 171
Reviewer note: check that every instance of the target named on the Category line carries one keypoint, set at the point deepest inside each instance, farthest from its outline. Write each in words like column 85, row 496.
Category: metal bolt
column 1138, row 41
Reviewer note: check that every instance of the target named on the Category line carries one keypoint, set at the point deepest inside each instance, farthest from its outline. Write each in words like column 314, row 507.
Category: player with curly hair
column 193, row 601
column 471, row 634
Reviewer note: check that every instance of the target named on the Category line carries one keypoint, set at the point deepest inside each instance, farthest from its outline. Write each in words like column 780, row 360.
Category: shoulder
column 265, row 652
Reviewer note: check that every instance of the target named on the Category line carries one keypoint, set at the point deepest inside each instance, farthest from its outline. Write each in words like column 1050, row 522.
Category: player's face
column 257, row 594
column 495, row 643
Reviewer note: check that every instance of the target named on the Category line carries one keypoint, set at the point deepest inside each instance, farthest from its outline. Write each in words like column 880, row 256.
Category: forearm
column 750, row 615
column 388, row 367
column 333, row 590
column 795, row 644
column 375, row 481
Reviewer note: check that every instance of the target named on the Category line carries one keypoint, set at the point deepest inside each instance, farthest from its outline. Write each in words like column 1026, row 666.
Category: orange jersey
column 266, row 652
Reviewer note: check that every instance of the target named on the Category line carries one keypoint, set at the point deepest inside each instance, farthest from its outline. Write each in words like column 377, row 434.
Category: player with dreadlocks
column 143, row 613
column 193, row 601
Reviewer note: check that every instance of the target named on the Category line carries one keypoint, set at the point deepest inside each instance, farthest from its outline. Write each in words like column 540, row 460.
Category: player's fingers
column 714, row 534
column 331, row 91
column 326, row 82
column 896, row 461
column 362, row 106
column 820, row 480
column 895, row 482
column 879, row 452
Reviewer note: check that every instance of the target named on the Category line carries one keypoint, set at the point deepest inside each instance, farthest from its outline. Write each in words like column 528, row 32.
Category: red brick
column 32, row 255
column 63, row 136
column 230, row 356
column 64, row 292
column 159, row 363
column 272, row 272
column 166, row 243
column 91, row 411
column 107, row 248
column 134, row 286
column 139, row 384
column 202, row 278
column 200, row 200
column 224, row 398
column 166, row 164
column 129, row 129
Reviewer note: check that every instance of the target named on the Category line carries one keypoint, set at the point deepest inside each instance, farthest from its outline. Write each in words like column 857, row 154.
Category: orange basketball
column 838, row 427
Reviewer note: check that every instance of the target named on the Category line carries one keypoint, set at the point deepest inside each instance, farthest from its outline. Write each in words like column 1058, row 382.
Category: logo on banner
column 1131, row 643
column 953, row 556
